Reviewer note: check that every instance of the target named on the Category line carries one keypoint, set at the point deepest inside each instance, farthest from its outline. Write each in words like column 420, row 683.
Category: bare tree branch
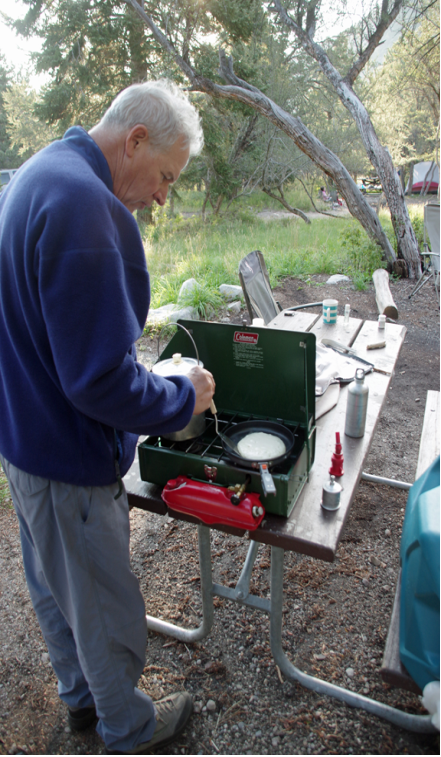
column 316, row 51
column 296, row 130
column 374, row 40
column 317, row 210
column 286, row 204
column 377, row 154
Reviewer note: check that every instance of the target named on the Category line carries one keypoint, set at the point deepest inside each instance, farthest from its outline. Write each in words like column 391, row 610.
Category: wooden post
column 386, row 305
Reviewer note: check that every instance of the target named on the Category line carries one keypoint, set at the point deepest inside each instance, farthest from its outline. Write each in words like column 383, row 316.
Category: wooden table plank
column 430, row 445
column 385, row 358
column 296, row 320
column 340, row 332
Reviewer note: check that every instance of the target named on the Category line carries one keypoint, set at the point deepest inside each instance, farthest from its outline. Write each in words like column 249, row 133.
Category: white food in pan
column 261, row 446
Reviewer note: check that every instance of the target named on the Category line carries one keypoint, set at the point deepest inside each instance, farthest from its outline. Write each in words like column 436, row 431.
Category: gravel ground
column 336, row 615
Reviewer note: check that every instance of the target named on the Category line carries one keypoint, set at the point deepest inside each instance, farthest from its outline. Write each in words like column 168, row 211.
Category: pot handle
column 173, row 323
column 268, row 485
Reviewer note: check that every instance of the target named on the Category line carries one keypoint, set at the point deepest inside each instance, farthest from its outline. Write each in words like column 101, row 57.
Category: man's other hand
column 204, row 385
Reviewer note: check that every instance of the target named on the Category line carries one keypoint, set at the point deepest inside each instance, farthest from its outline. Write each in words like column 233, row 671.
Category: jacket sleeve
column 94, row 302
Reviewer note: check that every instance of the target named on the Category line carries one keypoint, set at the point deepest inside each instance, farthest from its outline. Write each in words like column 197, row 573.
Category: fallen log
column 386, row 305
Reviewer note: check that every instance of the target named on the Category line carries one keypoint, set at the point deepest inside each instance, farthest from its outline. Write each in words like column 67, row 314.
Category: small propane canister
column 331, row 495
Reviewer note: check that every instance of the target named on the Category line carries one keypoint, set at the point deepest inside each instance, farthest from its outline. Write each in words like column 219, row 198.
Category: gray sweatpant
column 75, row 543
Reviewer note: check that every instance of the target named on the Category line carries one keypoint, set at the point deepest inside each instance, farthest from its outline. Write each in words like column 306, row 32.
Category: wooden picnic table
column 310, row 529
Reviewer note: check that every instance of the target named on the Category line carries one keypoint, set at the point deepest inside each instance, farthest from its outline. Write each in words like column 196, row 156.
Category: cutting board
column 327, row 401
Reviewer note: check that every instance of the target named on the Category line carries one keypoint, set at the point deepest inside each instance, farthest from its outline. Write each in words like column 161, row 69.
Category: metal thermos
column 357, row 406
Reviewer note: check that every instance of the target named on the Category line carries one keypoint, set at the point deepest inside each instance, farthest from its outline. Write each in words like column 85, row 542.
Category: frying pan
column 240, row 430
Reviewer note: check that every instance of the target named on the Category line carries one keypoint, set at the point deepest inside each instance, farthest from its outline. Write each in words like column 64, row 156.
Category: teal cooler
column 420, row 564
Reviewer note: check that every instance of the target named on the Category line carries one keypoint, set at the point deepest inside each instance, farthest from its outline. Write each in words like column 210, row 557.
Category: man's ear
column 137, row 136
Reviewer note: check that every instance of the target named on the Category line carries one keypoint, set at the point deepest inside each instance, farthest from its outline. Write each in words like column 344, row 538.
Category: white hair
column 165, row 111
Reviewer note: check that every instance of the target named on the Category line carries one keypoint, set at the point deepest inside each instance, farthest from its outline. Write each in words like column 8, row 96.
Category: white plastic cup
column 330, row 308
column 258, row 322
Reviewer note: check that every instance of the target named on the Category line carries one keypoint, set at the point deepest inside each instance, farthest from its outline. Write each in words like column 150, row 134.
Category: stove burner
column 209, row 446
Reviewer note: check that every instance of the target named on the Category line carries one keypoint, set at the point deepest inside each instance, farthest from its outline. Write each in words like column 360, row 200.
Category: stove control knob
column 210, row 472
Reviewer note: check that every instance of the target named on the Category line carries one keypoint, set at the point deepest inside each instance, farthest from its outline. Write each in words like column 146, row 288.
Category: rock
column 350, row 672
column 161, row 315
column 171, row 312
column 375, row 561
column 234, row 307
column 336, row 278
column 188, row 312
column 187, row 288
column 46, row 660
column 275, row 741
column 211, row 705
column 231, row 291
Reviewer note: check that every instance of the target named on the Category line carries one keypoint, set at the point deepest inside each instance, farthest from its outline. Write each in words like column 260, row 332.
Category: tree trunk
column 428, row 179
column 378, row 155
column 327, row 161
column 410, row 180
column 204, row 204
column 241, row 91
column 218, row 204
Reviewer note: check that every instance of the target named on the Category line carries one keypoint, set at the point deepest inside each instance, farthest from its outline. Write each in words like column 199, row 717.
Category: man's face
column 147, row 174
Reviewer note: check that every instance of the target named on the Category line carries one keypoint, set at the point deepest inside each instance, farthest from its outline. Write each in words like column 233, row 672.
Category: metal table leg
column 193, row 634
column 419, row 723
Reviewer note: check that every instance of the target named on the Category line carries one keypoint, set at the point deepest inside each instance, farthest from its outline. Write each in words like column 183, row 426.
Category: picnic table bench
column 309, row 530
column 392, row 670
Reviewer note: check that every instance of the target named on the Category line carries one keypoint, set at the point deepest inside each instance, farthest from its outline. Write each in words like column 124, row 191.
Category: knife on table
column 342, row 349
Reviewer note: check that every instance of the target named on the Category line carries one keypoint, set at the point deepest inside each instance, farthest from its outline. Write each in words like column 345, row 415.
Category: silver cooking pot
column 181, row 366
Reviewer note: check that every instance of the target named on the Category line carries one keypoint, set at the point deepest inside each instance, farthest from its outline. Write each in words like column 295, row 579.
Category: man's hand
column 204, row 385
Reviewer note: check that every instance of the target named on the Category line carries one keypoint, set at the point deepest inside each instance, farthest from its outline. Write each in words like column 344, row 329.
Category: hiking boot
column 80, row 718
column 172, row 714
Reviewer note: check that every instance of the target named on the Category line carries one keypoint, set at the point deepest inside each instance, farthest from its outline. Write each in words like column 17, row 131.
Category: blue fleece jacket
column 74, row 297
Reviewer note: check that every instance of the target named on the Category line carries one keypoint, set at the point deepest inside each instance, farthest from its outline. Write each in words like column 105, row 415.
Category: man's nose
column 161, row 194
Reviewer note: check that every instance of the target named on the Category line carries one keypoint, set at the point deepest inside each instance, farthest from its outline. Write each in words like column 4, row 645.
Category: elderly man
column 74, row 293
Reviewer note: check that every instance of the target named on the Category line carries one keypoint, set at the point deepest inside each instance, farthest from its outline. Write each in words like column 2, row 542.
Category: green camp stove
column 261, row 374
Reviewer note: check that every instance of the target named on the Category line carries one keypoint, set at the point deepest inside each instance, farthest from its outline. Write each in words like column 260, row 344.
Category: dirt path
column 335, row 619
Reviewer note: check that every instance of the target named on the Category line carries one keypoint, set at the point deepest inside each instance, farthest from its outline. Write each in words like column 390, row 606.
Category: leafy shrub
column 204, row 298
column 417, row 220
column 362, row 255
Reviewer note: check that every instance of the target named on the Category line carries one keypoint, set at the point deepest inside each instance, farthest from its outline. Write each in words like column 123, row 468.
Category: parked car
column 6, row 175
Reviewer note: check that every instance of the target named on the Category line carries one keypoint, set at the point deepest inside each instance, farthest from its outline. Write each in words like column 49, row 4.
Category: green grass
column 180, row 248
column 192, row 201
column 210, row 252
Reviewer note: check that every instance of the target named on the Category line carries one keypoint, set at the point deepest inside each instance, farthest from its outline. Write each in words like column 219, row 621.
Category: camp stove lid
column 261, row 372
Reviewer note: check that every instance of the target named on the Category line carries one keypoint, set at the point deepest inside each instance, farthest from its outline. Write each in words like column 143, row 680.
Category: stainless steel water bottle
column 357, row 406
